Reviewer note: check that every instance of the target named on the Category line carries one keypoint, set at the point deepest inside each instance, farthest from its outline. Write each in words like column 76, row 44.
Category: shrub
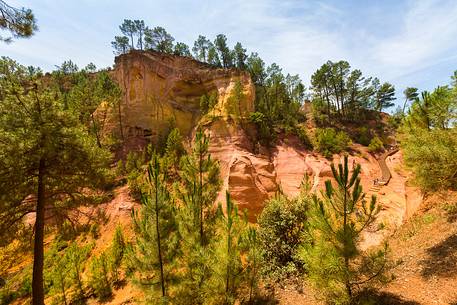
column 133, row 162
column 303, row 136
column 375, row 145
column 363, row 136
column 120, row 169
column 432, row 156
column 281, row 227
column 134, row 181
column 208, row 101
column 330, row 142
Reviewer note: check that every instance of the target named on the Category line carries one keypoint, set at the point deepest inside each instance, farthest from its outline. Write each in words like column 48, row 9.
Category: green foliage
column 278, row 99
column 223, row 51
column 20, row 22
column 135, row 182
column 152, row 256
column 116, row 254
column 134, row 161
column 410, row 94
column 281, row 227
column 174, row 150
column 375, row 145
column 182, row 49
column 201, row 182
column 225, row 264
column 340, row 93
column 120, row 45
column 16, row 286
column 302, row 134
column 239, row 56
column 363, row 136
column 251, row 243
column 207, row 102
column 429, row 137
column 134, row 169
column 384, row 95
column 201, row 48
column 233, row 105
column 333, row 258
column 196, row 219
column 66, row 269
column 432, row 155
column 45, row 151
column 99, row 277
column 329, row 142
column 120, row 168
column 158, row 39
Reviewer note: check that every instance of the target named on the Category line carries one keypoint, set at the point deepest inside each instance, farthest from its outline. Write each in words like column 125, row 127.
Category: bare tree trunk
column 159, row 249
column 38, row 251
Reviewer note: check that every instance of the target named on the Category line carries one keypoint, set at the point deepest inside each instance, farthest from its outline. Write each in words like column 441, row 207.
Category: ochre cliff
column 162, row 90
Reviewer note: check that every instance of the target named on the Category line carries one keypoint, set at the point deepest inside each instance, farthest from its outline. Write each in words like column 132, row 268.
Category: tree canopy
column 20, row 22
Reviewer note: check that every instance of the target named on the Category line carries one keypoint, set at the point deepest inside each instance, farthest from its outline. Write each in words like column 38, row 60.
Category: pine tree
column 174, row 150
column 200, row 48
column 76, row 257
column 99, row 277
column 334, row 260
column 200, row 176
column 116, row 254
column 20, row 22
column 60, row 282
column 129, row 29
column 227, row 270
column 46, row 156
column 152, row 256
column 196, row 217
column 120, row 45
column 253, row 262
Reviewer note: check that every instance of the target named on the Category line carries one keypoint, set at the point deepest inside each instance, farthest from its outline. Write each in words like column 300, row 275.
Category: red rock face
column 158, row 88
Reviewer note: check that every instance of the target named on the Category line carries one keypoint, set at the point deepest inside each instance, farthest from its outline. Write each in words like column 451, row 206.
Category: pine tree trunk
column 346, row 258
column 159, row 249
column 63, row 292
column 201, row 196
column 97, row 136
column 120, row 120
column 38, row 251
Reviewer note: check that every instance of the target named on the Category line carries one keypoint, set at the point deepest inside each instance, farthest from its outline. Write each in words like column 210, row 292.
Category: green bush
column 208, row 101
column 133, row 162
column 7, row 296
column 330, row 142
column 134, row 181
column 363, row 136
column 303, row 136
column 120, row 169
column 375, row 145
column 281, row 230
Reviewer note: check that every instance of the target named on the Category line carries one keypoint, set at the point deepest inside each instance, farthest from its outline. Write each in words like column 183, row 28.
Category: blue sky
column 407, row 43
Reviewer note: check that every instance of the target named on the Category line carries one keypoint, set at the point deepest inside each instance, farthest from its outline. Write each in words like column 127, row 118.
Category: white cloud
column 428, row 33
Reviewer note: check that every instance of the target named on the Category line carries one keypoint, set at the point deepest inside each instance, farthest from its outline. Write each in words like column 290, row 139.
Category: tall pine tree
column 46, row 156
column 153, row 254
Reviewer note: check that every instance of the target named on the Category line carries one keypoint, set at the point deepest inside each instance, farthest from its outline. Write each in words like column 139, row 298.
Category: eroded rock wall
column 160, row 90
